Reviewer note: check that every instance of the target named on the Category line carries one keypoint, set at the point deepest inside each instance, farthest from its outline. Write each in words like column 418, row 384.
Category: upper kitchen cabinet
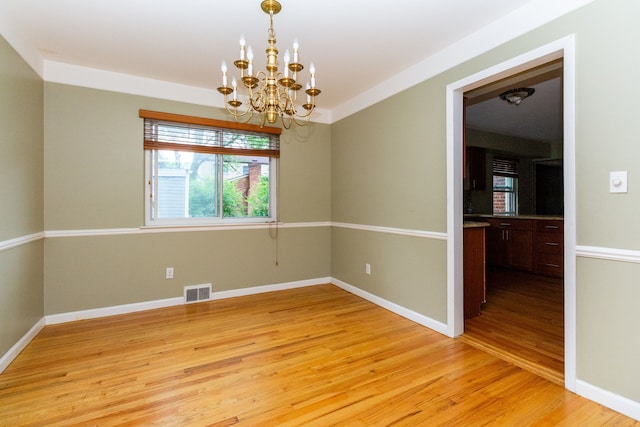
column 475, row 168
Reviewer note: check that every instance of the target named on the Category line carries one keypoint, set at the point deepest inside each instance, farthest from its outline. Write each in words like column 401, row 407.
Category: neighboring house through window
column 205, row 171
column 505, row 186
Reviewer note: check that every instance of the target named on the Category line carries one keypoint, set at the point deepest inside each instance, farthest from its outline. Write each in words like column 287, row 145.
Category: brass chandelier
column 270, row 93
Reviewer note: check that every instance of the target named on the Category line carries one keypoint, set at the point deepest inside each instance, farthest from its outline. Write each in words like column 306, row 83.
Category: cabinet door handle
column 553, row 227
column 505, row 224
column 551, row 243
column 552, row 265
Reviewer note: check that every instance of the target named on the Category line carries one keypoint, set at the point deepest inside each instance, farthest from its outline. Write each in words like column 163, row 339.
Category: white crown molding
column 75, row 75
column 14, row 37
column 532, row 15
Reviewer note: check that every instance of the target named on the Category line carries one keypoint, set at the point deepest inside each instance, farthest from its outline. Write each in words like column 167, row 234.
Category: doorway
column 564, row 50
column 513, row 185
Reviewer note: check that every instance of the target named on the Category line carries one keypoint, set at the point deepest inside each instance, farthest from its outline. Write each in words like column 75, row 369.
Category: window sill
column 211, row 226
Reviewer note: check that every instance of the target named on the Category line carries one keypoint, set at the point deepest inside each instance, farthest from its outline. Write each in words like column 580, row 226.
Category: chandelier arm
column 306, row 115
column 233, row 110
column 239, row 115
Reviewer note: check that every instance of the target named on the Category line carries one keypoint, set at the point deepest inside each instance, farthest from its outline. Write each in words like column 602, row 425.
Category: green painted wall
column 103, row 271
column 21, row 213
column 404, row 269
column 94, row 179
column 608, row 345
column 388, row 169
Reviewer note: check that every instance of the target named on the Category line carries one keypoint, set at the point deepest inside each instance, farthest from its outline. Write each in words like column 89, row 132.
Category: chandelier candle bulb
column 242, row 44
column 286, row 58
column 224, row 74
column 312, row 70
column 295, row 51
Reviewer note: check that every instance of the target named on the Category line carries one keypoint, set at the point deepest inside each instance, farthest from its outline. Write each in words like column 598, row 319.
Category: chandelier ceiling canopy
column 269, row 93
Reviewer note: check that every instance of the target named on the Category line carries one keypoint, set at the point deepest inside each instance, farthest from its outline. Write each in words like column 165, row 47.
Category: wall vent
column 197, row 293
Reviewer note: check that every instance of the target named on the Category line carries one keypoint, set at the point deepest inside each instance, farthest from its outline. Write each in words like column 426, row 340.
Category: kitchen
column 513, row 232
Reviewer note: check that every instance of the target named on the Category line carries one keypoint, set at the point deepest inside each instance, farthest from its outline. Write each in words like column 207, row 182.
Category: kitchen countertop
column 475, row 224
column 554, row 217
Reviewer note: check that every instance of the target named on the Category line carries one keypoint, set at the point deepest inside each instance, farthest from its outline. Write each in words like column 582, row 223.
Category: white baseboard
column 393, row 307
column 611, row 400
column 269, row 288
column 150, row 305
column 94, row 313
column 14, row 351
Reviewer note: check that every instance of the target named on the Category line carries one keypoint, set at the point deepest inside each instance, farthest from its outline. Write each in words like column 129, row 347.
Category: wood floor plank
column 308, row 356
column 522, row 322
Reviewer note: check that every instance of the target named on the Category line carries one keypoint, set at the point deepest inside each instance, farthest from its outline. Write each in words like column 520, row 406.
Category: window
column 204, row 171
column 505, row 186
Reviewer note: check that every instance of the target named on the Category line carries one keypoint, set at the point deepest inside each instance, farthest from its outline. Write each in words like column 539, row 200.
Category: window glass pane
column 246, row 186
column 200, row 171
column 186, row 185
column 505, row 195
column 503, row 183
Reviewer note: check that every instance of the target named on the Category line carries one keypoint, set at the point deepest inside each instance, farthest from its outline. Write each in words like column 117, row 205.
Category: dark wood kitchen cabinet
column 510, row 243
column 474, row 268
column 549, row 248
column 475, row 168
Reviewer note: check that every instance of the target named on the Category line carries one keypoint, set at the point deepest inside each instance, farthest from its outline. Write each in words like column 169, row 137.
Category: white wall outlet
column 169, row 273
column 367, row 268
column 618, row 182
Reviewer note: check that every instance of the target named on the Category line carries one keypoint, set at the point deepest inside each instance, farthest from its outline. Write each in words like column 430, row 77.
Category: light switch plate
column 618, row 182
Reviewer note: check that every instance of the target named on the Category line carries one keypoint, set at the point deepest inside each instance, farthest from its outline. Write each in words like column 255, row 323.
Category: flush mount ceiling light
column 515, row 96
column 270, row 93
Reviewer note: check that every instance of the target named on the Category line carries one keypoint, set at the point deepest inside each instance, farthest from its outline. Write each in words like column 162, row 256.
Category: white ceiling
column 357, row 46
column 538, row 117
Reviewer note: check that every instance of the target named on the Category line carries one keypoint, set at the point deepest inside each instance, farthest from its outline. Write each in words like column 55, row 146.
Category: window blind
column 165, row 131
column 505, row 167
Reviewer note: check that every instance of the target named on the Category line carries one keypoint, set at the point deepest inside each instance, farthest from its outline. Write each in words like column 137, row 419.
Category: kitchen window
column 202, row 171
column 505, row 186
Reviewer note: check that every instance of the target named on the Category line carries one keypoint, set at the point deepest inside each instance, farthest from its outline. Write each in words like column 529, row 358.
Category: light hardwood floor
column 308, row 356
column 522, row 322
